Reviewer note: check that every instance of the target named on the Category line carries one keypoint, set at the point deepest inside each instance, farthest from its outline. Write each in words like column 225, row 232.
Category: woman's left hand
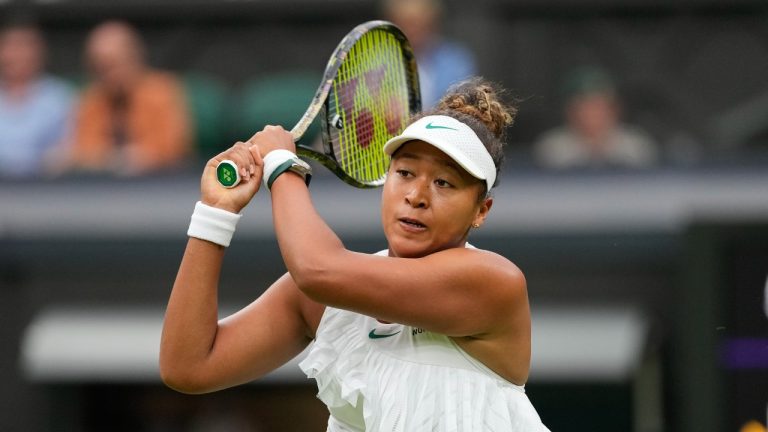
column 249, row 162
column 273, row 138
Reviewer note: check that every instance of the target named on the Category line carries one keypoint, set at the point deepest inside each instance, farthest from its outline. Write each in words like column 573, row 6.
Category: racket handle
column 227, row 174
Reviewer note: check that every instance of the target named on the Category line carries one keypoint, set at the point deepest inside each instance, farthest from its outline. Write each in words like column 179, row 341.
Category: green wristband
column 295, row 165
column 283, row 167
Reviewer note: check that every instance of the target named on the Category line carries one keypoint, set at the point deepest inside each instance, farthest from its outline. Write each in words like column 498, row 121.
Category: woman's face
column 429, row 202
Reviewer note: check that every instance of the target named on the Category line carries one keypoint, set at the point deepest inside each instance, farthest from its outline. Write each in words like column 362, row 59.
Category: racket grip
column 227, row 174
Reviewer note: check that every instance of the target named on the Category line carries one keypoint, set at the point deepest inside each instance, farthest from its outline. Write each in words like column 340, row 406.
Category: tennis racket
column 369, row 90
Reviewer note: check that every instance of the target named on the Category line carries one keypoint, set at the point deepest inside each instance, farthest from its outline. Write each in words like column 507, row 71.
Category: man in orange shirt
column 131, row 119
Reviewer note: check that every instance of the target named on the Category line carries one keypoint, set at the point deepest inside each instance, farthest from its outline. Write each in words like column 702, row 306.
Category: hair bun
column 480, row 99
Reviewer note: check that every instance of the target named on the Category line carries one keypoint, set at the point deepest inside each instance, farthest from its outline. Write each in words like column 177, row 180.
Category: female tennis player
column 430, row 334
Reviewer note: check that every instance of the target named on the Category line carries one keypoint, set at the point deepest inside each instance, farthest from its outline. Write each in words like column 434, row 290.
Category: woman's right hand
column 249, row 163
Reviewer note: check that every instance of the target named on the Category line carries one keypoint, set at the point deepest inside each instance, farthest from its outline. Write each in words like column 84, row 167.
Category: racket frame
column 319, row 105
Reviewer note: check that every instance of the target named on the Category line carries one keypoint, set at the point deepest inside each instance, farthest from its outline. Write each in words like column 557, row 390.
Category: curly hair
column 477, row 103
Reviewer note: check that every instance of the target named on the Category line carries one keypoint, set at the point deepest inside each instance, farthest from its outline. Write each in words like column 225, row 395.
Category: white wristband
column 274, row 159
column 213, row 224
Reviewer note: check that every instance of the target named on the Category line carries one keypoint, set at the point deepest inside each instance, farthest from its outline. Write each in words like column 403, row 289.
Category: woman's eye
column 403, row 173
column 442, row 183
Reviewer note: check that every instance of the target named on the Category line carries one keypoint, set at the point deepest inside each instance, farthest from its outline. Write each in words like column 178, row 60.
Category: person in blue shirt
column 35, row 108
column 441, row 62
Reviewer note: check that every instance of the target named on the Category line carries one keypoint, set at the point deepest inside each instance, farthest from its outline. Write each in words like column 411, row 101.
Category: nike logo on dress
column 431, row 126
column 373, row 334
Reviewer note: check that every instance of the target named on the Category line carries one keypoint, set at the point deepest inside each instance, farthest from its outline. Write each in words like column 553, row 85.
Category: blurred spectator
column 34, row 107
column 441, row 62
column 131, row 119
column 593, row 134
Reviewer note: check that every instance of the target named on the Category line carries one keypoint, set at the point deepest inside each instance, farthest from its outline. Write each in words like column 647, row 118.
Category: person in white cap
column 430, row 334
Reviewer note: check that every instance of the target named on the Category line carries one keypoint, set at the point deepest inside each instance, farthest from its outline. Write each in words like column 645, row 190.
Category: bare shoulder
column 508, row 273
column 481, row 259
column 486, row 268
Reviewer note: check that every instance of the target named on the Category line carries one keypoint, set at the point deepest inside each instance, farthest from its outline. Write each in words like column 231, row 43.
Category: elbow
column 183, row 380
column 313, row 277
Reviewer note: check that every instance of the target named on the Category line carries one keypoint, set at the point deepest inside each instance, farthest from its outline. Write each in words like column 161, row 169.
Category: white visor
column 453, row 138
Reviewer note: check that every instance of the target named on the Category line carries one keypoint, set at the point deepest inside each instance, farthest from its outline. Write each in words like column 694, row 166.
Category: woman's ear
column 482, row 212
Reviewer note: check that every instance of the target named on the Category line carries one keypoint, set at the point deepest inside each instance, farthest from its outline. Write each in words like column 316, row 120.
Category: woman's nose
column 417, row 196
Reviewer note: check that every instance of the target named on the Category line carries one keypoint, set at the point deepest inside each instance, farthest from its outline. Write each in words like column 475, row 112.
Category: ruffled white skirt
column 366, row 389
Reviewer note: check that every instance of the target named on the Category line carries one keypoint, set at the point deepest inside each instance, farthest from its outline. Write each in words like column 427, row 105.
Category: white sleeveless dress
column 377, row 377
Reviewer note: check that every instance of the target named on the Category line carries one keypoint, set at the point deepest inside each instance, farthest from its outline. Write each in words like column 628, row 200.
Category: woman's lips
column 412, row 225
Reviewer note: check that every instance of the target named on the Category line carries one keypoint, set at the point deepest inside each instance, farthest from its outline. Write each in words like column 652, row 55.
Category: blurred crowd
column 129, row 118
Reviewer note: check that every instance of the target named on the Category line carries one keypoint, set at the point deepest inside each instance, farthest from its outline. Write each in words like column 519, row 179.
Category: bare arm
column 457, row 292
column 198, row 353
column 201, row 354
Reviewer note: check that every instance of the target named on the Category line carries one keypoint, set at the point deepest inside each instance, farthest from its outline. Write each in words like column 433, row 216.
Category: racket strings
column 371, row 98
